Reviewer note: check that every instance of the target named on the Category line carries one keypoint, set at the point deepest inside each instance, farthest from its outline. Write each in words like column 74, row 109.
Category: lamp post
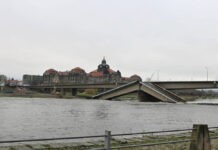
column 207, row 72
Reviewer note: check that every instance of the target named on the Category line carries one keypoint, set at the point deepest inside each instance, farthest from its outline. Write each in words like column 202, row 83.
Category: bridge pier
column 63, row 91
column 54, row 90
column 74, row 92
column 47, row 90
column 144, row 97
column 101, row 90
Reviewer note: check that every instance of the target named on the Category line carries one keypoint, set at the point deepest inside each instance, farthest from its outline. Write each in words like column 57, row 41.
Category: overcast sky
column 178, row 39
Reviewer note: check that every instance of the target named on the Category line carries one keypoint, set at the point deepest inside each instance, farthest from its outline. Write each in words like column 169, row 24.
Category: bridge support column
column 63, row 92
column 74, row 92
column 54, row 90
column 44, row 90
column 101, row 90
column 144, row 97
column 47, row 90
column 50, row 90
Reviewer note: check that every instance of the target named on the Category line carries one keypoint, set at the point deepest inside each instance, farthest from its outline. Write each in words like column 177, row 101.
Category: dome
column 135, row 77
column 96, row 73
column 50, row 71
column 78, row 70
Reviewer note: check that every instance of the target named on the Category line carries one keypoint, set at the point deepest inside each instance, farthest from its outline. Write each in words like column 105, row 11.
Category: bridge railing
column 199, row 138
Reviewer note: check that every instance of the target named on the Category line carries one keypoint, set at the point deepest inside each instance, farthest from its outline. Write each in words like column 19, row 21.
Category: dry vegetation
column 121, row 142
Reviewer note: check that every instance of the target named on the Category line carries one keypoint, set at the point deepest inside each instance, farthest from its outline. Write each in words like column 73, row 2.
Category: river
column 29, row 118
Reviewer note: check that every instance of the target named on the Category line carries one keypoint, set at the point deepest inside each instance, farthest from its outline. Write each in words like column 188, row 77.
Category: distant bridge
column 179, row 85
column 76, row 86
column 63, row 88
column 169, row 85
column 147, row 91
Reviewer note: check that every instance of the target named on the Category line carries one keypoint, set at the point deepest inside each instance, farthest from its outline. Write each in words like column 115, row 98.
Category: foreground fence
column 199, row 139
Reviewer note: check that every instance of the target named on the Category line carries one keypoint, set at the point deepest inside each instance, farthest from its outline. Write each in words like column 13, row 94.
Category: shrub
column 91, row 91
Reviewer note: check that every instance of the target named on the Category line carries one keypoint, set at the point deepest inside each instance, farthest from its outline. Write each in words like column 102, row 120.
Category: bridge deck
column 169, row 85
column 148, row 92
column 173, row 85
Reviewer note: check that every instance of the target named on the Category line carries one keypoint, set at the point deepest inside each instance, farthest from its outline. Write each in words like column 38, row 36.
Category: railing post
column 107, row 140
column 200, row 138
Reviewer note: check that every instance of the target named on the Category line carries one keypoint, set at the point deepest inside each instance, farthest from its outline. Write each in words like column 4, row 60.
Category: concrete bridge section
column 147, row 91
column 161, row 87
column 178, row 85
column 169, row 85
column 76, row 86
column 63, row 88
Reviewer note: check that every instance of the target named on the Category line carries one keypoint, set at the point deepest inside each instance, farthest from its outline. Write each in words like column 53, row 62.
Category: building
column 103, row 74
column 32, row 80
column 3, row 80
column 14, row 83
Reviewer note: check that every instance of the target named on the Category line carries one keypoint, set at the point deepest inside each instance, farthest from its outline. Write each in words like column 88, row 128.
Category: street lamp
column 207, row 72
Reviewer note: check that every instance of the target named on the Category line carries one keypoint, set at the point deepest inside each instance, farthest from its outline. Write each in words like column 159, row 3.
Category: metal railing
column 149, row 85
column 108, row 136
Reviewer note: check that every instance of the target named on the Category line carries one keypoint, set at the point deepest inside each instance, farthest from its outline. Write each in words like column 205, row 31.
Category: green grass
column 192, row 98
column 132, row 96
column 85, row 95
column 129, row 141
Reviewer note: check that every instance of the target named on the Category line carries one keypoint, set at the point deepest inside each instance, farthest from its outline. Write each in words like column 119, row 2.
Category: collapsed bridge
column 155, row 91
column 147, row 91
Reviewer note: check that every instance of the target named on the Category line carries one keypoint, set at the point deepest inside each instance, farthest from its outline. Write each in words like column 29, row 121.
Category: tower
column 103, row 67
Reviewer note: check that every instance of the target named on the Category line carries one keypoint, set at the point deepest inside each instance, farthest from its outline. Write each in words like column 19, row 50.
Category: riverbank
column 33, row 94
column 88, row 96
column 115, row 142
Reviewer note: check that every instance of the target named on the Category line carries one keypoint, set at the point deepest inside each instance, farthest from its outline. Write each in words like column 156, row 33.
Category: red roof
column 13, row 81
column 78, row 70
column 50, row 71
column 95, row 73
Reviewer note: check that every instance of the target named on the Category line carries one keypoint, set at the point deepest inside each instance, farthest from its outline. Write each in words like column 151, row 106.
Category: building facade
column 3, row 80
column 102, row 75
column 32, row 79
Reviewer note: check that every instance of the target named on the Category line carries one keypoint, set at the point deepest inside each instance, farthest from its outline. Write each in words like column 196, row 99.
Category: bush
column 91, row 91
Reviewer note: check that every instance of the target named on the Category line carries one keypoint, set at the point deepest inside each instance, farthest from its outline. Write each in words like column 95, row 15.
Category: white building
column 3, row 80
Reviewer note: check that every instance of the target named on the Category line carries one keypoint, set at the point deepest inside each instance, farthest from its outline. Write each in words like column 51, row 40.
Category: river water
column 29, row 118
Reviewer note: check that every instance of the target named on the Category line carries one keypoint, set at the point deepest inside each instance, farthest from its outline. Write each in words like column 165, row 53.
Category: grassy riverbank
column 89, row 96
column 86, row 95
column 119, row 142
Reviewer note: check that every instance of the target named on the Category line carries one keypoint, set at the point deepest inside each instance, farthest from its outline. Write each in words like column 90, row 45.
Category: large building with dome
column 103, row 74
